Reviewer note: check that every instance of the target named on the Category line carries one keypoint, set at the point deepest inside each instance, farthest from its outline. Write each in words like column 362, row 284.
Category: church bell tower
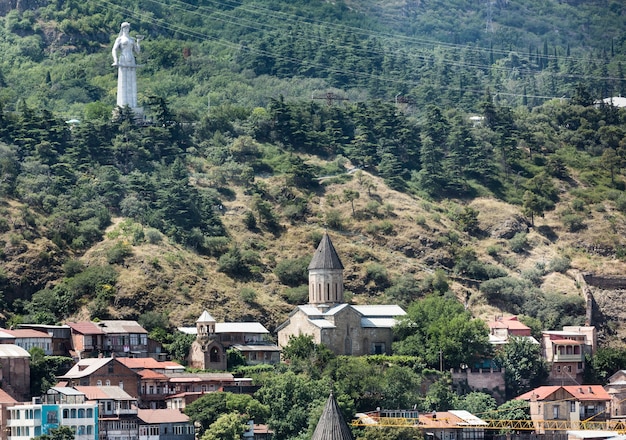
column 325, row 275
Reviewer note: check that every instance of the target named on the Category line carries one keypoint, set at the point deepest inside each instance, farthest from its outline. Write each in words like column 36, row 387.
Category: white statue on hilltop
column 127, row 46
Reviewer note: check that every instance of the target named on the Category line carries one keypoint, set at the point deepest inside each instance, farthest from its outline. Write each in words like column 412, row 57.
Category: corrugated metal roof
column 322, row 323
column 378, row 322
column 230, row 327
column 325, row 256
column 104, row 392
column 118, row 326
column 336, row 309
column 205, row 317
column 332, row 425
column 12, row 351
column 468, row 418
column 68, row 391
column 240, row 327
column 380, row 311
column 256, row 347
column 85, row 367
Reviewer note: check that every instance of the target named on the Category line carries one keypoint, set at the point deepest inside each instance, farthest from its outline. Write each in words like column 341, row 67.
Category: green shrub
column 315, row 237
column 377, row 273
column 248, row 295
column 519, row 242
column 573, row 222
column 578, row 205
column 494, row 250
column 296, row 295
column 153, row 236
column 4, row 225
column 560, row 264
column 216, row 246
column 249, row 221
column 534, row 275
column 334, row 220
column 620, row 203
column 73, row 267
column 119, row 252
column 293, row 272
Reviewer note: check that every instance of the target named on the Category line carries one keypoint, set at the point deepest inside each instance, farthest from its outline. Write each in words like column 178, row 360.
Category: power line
column 183, row 30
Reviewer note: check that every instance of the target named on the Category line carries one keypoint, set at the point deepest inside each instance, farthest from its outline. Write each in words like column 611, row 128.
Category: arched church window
column 214, row 355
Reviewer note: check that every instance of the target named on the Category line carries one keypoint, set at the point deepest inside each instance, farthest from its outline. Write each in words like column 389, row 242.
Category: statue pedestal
column 138, row 113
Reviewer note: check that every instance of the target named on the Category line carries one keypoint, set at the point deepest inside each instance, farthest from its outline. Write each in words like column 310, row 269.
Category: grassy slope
column 171, row 278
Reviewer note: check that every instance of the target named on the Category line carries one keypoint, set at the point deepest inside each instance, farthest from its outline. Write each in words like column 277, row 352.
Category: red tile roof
column 511, row 323
column 578, row 392
column 150, row 374
column 6, row 398
column 588, row 392
column 566, row 342
column 134, row 363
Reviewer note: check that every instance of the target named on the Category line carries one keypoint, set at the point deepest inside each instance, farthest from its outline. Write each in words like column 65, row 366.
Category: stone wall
column 485, row 380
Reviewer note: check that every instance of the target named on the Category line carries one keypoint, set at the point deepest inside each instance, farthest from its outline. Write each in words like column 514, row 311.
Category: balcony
column 579, row 357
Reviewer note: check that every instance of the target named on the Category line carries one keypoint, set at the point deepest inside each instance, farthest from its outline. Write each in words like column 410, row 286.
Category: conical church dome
column 325, row 256
column 332, row 425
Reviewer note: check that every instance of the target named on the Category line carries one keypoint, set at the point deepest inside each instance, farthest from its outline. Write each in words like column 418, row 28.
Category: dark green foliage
column 439, row 329
column 524, row 366
column 519, row 242
column 305, row 355
column 60, row 433
column 152, row 320
column 119, row 252
column 296, row 295
column 291, row 398
column 377, row 274
column 234, row 359
column 207, row 409
column 62, row 300
column 604, row 363
column 180, row 346
column 293, row 272
column 44, row 370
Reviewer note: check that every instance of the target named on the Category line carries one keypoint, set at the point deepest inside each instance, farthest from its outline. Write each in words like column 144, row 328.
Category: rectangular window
column 555, row 412
column 572, row 407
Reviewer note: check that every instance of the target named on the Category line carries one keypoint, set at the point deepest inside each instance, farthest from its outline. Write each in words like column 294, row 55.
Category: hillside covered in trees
column 219, row 199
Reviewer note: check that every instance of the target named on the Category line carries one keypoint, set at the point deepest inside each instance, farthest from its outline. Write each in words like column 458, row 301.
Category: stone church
column 344, row 328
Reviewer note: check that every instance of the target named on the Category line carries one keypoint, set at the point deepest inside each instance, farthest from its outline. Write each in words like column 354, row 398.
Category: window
column 555, row 412
column 111, row 368
column 107, row 383
column 66, row 413
column 81, row 413
column 99, row 383
column 89, row 413
column 134, row 339
column 572, row 407
column 121, row 385
column 378, row 348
